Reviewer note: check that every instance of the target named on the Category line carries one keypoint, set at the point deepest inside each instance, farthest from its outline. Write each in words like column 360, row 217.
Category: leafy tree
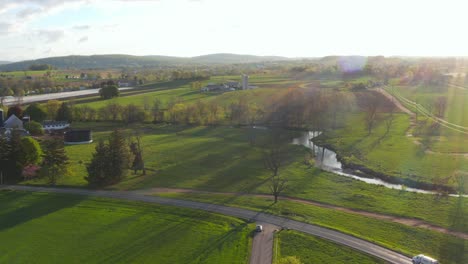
column 64, row 113
column 52, row 107
column 97, row 169
column 156, row 111
column 4, row 92
column 40, row 67
column 5, row 164
column 30, row 151
column 119, row 155
column 15, row 110
column 132, row 113
column 34, row 128
column 109, row 91
column 110, row 162
column 54, row 160
column 36, row 112
column 10, row 156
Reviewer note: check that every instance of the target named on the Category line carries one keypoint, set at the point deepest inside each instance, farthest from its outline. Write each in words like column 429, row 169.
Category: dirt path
column 262, row 244
column 401, row 220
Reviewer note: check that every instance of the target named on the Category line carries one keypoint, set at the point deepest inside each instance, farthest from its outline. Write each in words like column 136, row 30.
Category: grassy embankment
column 309, row 249
column 395, row 153
column 53, row 228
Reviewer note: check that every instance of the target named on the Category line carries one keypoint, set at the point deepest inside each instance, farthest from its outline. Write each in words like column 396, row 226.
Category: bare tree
column 390, row 120
column 370, row 107
column 136, row 149
column 277, row 185
column 273, row 158
column 440, row 104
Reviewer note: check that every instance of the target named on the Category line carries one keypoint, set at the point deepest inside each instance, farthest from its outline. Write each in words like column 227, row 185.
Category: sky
column 31, row 29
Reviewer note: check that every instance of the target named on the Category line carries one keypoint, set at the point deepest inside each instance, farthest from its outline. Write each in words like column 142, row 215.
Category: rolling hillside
column 119, row 61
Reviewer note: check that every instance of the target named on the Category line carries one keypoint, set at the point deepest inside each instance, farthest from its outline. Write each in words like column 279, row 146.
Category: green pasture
column 57, row 228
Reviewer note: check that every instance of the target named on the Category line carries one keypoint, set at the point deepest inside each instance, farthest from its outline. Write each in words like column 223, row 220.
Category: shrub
column 34, row 128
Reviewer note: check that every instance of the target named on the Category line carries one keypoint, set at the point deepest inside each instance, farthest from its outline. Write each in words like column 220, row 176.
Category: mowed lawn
column 309, row 250
column 54, row 228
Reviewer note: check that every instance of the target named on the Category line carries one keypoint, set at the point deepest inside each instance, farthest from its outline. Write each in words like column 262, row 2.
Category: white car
column 421, row 259
column 259, row 228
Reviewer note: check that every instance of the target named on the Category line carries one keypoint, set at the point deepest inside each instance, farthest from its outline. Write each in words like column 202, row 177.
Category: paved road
column 337, row 237
column 262, row 244
column 53, row 96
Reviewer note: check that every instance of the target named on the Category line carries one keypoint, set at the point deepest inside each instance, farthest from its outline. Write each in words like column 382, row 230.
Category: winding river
column 326, row 159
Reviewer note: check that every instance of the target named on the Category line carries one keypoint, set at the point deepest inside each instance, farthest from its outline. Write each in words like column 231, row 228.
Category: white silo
column 245, row 82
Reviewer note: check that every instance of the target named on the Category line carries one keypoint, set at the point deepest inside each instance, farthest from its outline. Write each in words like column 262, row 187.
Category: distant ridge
column 120, row 61
column 4, row 62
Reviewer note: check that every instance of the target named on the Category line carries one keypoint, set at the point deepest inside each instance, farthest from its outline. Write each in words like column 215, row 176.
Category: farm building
column 75, row 137
column 55, row 125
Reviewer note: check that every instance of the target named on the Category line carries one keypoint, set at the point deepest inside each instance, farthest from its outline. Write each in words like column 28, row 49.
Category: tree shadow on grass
column 453, row 249
column 40, row 206
column 152, row 239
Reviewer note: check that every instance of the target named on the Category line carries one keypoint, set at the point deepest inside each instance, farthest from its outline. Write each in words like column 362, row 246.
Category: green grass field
column 394, row 154
column 220, row 159
column 309, row 249
column 405, row 239
column 53, row 228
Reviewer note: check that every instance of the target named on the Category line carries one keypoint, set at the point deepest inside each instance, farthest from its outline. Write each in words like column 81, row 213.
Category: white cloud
column 51, row 35
column 6, row 28
column 81, row 27
column 83, row 39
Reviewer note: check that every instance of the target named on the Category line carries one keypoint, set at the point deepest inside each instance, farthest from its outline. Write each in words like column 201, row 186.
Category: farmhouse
column 13, row 122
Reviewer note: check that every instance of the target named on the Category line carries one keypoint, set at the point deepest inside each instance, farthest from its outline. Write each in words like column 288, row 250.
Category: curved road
column 337, row 237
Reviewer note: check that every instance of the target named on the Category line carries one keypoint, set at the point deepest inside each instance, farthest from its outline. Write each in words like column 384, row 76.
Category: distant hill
column 119, row 61
column 234, row 58
column 4, row 62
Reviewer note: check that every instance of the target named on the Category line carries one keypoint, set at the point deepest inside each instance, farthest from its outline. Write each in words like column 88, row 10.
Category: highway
column 335, row 236
column 54, row 96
